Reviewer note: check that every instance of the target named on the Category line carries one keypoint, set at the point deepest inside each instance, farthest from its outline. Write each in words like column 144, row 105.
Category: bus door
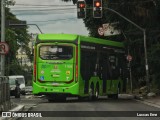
column 55, row 63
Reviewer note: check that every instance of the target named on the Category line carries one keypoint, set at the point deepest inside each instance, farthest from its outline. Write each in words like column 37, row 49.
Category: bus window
column 113, row 67
column 88, row 64
column 56, row 52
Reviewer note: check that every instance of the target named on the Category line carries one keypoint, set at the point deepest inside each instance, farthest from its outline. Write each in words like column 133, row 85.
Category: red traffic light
column 97, row 8
column 97, row 4
column 81, row 5
column 81, row 9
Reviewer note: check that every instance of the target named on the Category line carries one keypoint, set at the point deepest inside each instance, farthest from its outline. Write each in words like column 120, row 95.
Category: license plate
column 55, row 83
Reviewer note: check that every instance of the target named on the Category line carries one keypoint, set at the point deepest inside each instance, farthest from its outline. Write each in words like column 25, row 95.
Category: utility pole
column 2, row 67
column 23, row 23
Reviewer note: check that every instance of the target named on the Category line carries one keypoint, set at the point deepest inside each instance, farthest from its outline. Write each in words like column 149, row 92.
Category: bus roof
column 57, row 37
column 73, row 37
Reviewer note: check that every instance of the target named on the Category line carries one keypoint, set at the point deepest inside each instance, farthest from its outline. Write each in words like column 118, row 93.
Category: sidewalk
column 15, row 108
column 152, row 101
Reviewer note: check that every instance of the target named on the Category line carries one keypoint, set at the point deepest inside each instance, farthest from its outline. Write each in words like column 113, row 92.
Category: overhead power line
column 55, row 20
column 57, row 12
column 42, row 5
column 43, row 9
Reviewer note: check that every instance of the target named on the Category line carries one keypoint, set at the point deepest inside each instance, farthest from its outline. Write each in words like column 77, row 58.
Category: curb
column 16, row 109
column 147, row 102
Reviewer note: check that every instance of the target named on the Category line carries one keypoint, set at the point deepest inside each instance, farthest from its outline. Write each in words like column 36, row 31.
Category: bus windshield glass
column 56, row 52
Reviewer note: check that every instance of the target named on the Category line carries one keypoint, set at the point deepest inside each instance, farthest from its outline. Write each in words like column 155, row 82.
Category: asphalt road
column 87, row 110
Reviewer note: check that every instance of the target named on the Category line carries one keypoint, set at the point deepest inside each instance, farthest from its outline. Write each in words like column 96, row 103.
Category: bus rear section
column 55, row 70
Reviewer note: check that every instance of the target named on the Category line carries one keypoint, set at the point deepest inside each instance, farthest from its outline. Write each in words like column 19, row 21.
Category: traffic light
column 97, row 8
column 81, row 9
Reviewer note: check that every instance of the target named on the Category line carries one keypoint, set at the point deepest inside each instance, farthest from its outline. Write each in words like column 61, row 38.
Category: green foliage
column 154, row 62
column 15, row 37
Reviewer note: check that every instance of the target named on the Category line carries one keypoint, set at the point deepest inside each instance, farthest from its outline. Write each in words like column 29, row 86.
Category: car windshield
column 20, row 80
column 12, row 81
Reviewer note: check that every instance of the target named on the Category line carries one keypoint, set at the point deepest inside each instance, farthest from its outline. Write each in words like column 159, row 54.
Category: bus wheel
column 119, row 88
column 118, row 91
column 63, row 99
column 96, row 94
column 60, row 98
column 81, row 98
column 115, row 96
column 110, row 96
column 91, row 94
column 50, row 100
column 97, row 91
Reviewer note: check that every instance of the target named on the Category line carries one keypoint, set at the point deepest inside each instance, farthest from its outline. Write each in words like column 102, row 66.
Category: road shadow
column 99, row 100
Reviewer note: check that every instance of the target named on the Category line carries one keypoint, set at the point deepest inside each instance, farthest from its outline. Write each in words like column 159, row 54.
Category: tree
column 15, row 37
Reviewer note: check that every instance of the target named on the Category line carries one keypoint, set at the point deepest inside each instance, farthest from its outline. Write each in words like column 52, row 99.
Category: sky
column 52, row 16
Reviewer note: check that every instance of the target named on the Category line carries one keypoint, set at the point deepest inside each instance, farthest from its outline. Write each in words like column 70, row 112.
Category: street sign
column 129, row 58
column 109, row 29
column 4, row 48
column 16, row 24
column 100, row 31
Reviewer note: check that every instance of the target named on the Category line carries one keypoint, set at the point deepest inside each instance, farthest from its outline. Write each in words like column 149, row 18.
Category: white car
column 21, row 81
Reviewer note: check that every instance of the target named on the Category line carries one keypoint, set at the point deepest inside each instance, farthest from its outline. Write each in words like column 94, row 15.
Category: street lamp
column 2, row 60
column 145, row 46
column 22, row 24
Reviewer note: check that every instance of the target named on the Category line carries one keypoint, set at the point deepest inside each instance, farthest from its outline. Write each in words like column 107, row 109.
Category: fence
column 5, row 104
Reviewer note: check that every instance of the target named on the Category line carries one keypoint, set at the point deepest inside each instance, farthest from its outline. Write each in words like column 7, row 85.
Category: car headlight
column 12, row 88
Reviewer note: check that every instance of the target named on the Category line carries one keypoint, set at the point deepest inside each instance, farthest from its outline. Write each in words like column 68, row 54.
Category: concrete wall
column 5, row 103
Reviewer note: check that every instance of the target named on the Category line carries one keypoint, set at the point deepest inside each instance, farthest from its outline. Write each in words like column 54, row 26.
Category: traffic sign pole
column 129, row 58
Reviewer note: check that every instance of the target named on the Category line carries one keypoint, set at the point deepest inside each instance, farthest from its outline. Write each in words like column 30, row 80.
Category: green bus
column 74, row 65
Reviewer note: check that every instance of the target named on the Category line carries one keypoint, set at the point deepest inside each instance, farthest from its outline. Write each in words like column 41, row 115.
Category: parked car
column 17, row 85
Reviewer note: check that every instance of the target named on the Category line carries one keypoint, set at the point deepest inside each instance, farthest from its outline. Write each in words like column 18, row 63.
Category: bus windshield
column 56, row 52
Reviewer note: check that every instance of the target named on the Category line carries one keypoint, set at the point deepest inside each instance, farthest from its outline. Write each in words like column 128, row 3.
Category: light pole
column 145, row 46
column 22, row 24
column 2, row 67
